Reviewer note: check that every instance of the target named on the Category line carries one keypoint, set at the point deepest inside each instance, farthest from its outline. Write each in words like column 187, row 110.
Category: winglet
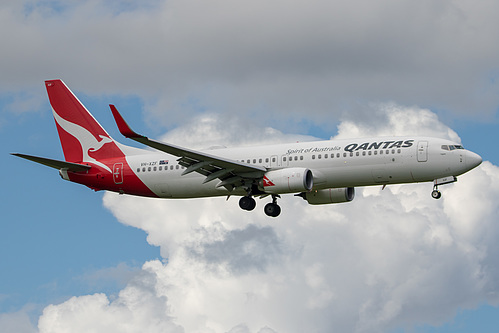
column 122, row 125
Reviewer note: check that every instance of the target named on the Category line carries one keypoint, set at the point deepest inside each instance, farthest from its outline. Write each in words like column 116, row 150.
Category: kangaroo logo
column 86, row 139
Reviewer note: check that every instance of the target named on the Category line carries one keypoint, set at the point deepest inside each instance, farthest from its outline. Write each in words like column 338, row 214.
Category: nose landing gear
column 435, row 194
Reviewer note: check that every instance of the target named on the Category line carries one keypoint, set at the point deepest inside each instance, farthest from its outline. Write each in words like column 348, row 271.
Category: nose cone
column 472, row 160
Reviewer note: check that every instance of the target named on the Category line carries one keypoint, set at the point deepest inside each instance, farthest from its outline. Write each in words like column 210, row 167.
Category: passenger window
column 138, row 169
column 399, row 151
column 254, row 161
column 313, row 157
column 176, row 166
column 351, row 154
column 143, row 169
column 375, row 152
column 357, row 154
column 369, row 153
column 149, row 169
column 154, row 169
column 325, row 155
column 301, row 158
column 248, row 161
column 332, row 155
column 296, row 158
column 260, row 161
column 273, row 159
column 344, row 154
column 284, row 159
column 381, row 152
column 319, row 157
column 364, row 153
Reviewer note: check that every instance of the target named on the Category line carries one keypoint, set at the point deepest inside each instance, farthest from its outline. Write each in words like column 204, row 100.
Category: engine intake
column 329, row 196
column 289, row 180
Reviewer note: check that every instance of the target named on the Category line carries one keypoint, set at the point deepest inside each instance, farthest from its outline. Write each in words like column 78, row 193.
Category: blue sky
column 184, row 67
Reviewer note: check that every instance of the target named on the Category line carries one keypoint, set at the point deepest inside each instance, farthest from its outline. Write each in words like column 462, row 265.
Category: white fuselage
column 334, row 164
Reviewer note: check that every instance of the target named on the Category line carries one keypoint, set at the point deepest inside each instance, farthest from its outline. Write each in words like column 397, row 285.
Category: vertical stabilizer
column 82, row 138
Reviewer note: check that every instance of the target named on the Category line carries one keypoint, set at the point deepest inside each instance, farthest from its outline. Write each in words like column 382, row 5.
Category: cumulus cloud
column 391, row 258
column 312, row 58
column 388, row 119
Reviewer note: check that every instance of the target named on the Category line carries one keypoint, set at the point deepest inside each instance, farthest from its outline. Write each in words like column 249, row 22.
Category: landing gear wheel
column 272, row 209
column 435, row 194
column 247, row 203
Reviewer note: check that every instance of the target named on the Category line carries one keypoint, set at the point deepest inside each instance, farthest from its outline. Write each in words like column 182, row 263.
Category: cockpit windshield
column 451, row 147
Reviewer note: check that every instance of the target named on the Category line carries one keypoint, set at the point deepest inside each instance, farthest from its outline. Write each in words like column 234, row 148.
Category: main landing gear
column 271, row 209
column 247, row 203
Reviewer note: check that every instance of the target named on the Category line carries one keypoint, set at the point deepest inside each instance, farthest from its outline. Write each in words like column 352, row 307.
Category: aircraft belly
column 366, row 175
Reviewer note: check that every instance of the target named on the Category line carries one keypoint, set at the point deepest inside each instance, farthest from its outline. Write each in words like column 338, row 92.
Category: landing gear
column 436, row 194
column 272, row 209
column 247, row 203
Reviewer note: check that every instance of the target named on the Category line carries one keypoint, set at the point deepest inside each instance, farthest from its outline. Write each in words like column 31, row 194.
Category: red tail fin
column 82, row 138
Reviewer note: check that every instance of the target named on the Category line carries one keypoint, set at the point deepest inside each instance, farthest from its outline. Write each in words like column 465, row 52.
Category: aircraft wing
column 56, row 164
column 230, row 172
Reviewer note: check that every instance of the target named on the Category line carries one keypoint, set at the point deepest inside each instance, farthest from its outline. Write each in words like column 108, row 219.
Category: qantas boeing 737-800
column 321, row 172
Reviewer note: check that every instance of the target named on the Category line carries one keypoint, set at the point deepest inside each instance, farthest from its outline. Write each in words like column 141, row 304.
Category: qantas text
column 379, row 145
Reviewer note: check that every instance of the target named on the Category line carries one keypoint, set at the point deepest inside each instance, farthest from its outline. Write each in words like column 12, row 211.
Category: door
column 118, row 173
column 274, row 161
column 422, row 151
column 284, row 160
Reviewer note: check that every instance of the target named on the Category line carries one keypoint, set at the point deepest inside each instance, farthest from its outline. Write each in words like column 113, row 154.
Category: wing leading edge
column 231, row 173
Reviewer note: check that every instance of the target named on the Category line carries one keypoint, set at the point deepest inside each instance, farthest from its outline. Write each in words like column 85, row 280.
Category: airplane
column 320, row 172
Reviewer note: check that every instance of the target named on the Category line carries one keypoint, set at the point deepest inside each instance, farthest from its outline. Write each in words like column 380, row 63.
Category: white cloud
column 315, row 58
column 388, row 119
column 392, row 258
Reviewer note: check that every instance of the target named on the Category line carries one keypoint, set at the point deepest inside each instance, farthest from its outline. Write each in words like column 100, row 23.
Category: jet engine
column 329, row 196
column 288, row 180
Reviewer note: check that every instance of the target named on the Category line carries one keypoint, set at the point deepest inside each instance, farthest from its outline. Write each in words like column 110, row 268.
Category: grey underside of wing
column 231, row 173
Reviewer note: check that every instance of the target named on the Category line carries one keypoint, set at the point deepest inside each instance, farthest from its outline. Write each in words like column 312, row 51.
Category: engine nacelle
column 329, row 196
column 288, row 180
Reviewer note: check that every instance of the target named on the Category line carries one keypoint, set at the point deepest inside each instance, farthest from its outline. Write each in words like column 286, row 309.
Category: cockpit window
column 451, row 147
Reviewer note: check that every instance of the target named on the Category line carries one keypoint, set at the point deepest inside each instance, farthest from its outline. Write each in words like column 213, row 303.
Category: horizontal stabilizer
column 56, row 164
